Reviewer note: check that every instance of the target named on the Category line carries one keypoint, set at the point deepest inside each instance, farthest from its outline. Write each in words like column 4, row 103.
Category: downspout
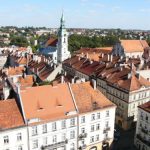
column 24, row 117
column 77, row 113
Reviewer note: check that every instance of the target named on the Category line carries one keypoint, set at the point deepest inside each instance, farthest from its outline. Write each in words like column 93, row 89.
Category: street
column 126, row 140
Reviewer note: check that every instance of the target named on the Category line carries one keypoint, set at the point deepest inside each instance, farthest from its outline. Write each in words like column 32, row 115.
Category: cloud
column 116, row 8
column 99, row 5
column 30, row 8
column 145, row 10
column 83, row 1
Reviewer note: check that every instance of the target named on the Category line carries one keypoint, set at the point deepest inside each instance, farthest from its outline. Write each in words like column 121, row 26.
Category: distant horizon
column 87, row 14
column 73, row 28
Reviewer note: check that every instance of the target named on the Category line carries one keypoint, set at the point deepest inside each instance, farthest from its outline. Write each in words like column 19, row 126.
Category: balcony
column 82, row 135
column 139, row 137
column 106, row 129
column 55, row 145
column 144, row 130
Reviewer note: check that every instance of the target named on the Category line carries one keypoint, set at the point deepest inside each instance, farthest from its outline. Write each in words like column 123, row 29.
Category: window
column 72, row 134
column 63, row 136
column 93, row 117
column 19, row 137
column 20, row 148
column 34, row 130
column 6, row 139
column 106, row 135
column 98, row 115
column 146, row 118
column 44, row 128
column 54, row 126
column 92, row 128
column 72, row 121
column 98, row 127
column 83, row 119
column 92, row 139
column 54, row 139
column 72, row 146
column 45, row 141
column 83, row 142
column 107, row 113
column 106, row 124
column 35, row 144
column 63, row 124
column 97, row 137
column 82, row 130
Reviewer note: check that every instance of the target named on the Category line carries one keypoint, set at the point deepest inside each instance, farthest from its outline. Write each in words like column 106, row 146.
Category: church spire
column 62, row 21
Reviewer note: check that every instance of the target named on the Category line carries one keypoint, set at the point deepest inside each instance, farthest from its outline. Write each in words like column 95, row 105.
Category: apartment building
column 119, row 79
column 130, row 48
column 96, row 116
column 51, row 116
column 142, row 136
column 13, row 131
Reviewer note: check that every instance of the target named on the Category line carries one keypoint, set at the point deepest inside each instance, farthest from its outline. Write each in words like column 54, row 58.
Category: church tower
column 62, row 45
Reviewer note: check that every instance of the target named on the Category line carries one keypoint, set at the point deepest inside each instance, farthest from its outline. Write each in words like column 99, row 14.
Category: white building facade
column 14, row 139
column 142, row 136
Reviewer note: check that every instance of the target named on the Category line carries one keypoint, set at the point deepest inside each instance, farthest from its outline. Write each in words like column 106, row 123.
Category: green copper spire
column 62, row 22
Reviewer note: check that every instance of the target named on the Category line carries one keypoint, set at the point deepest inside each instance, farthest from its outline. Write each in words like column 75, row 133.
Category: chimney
column 129, row 75
column 102, row 55
column 138, row 75
column 72, row 81
column 87, row 55
column 121, row 57
column 108, row 57
column 91, row 62
column 65, row 73
column 62, row 79
column 121, row 68
column 127, row 58
column 94, row 84
column 111, row 58
column 79, row 58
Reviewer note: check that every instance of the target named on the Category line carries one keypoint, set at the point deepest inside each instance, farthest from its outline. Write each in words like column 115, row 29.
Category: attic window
column 39, row 107
column 95, row 105
column 58, row 104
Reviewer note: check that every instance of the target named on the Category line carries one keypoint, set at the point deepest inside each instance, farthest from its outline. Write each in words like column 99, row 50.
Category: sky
column 124, row 14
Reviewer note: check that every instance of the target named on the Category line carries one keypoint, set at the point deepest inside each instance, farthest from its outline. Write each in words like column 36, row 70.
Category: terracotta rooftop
column 15, row 71
column 145, row 106
column 26, row 81
column 51, row 42
column 88, row 99
column 99, row 50
column 10, row 116
column 134, row 45
column 47, row 102
column 22, row 61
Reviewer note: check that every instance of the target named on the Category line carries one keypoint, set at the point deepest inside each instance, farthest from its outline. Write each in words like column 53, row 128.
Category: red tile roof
column 51, row 42
column 46, row 103
column 145, row 106
column 88, row 99
column 10, row 116
column 134, row 45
